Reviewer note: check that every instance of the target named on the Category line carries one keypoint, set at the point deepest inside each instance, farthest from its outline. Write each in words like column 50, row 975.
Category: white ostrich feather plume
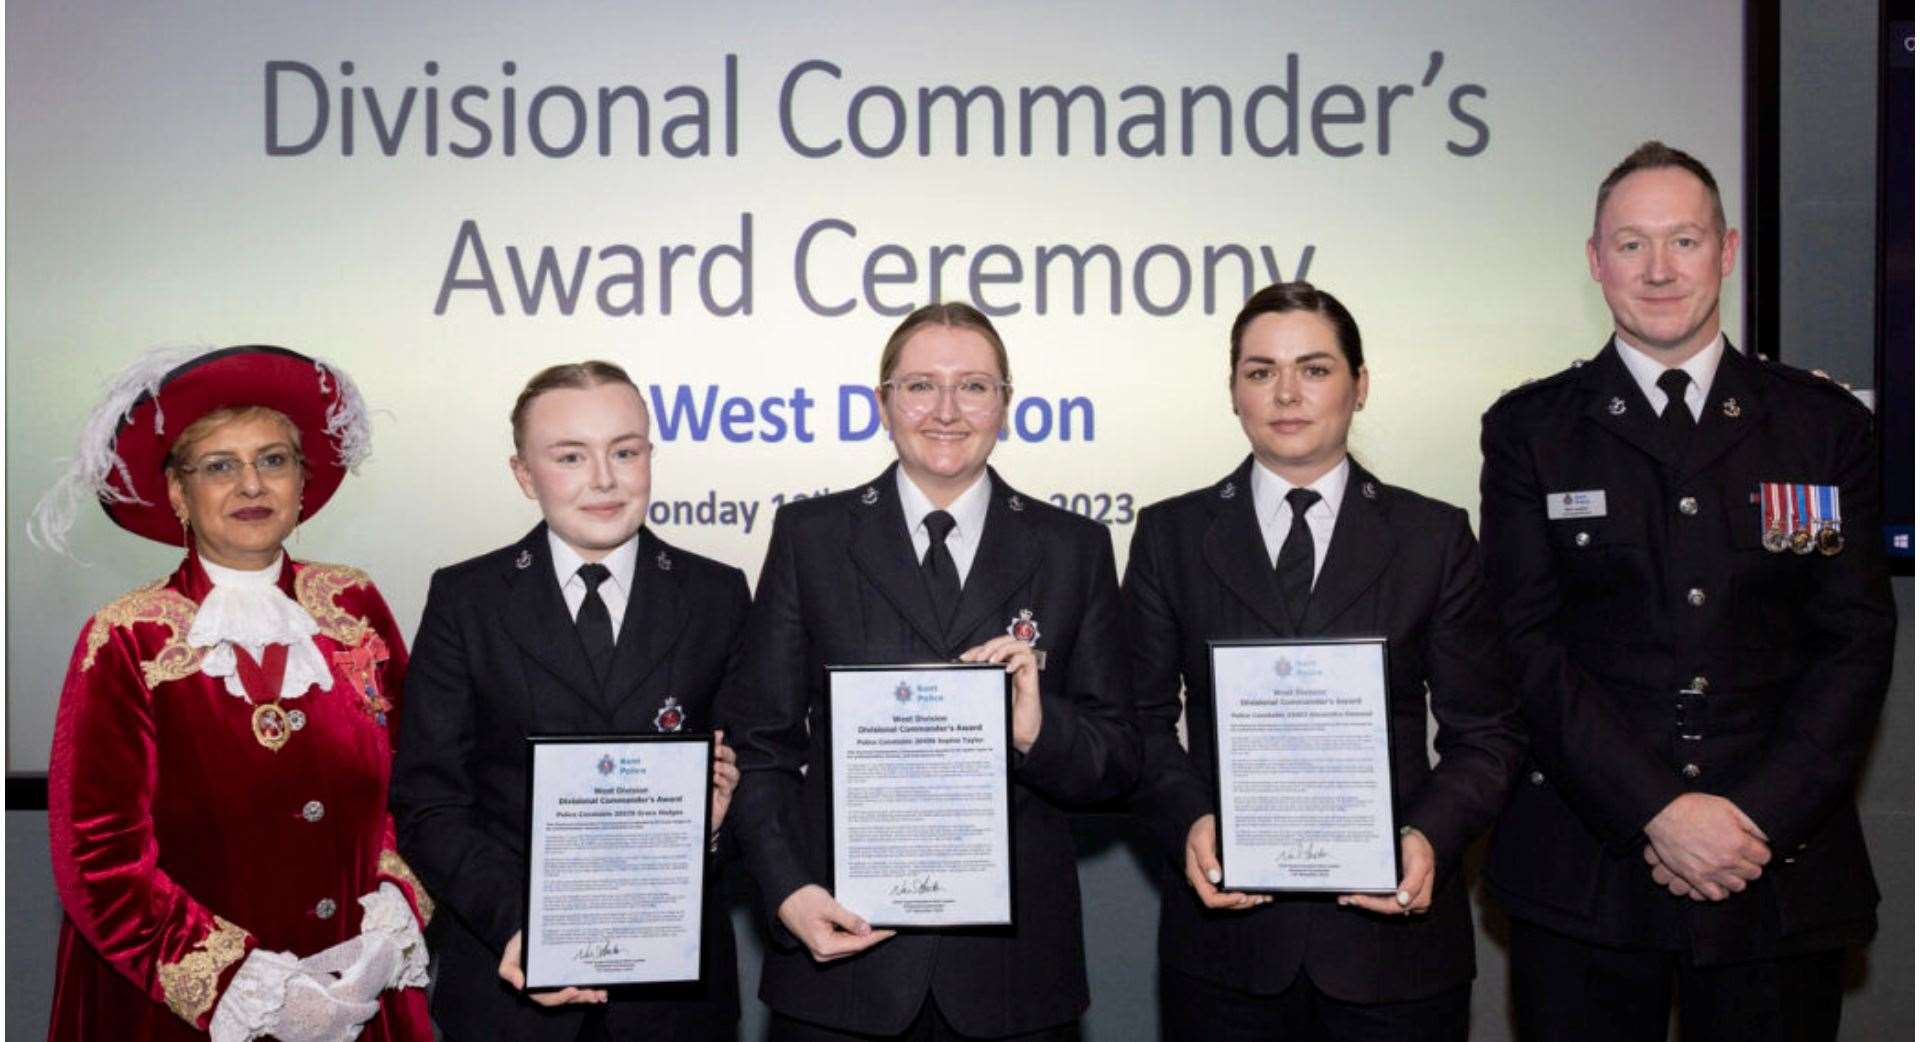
column 348, row 426
column 90, row 473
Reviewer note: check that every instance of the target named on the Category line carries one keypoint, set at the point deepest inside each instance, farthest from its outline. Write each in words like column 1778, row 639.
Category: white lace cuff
column 253, row 999
column 387, row 912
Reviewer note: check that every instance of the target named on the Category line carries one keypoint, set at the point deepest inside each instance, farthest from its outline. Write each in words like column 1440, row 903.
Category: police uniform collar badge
column 671, row 718
column 1617, row 407
column 870, row 496
column 664, row 562
column 1228, row 491
column 1016, row 504
column 1370, row 490
column 1730, row 408
column 524, row 560
column 1801, row 518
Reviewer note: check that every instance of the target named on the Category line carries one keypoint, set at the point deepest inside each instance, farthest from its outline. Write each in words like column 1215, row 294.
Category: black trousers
column 1570, row 991
column 1196, row 1010
column 929, row 1026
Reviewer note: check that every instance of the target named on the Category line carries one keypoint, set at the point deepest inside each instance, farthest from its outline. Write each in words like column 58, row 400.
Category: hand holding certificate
column 1302, row 743
column 921, row 794
column 616, row 875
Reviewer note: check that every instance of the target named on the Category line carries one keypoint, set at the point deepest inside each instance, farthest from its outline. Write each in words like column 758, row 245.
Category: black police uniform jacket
column 1662, row 649
column 1401, row 566
column 497, row 659
column 841, row 585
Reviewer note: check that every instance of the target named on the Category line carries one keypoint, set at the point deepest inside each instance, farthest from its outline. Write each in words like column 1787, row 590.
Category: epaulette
column 161, row 605
column 317, row 587
column 1542, row 383
column 1810, row 378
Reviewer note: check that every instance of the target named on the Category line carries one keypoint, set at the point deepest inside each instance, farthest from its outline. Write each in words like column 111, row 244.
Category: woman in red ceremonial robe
column 217, row 789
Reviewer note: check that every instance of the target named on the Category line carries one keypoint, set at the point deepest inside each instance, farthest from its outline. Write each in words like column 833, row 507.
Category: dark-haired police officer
column 1683, row 543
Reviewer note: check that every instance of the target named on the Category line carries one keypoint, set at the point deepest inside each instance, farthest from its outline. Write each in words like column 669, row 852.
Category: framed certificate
column 921, row 785
column 616, row 848
column 1303, row 744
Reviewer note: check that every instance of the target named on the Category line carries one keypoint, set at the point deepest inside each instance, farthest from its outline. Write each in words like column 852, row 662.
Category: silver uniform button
column 296, row 719
column 1691, row 770
column 1582, row 539
column 1537, row 778
column 1696, row 596
column 1689, row 506
column 314, row 810
column 325, row 908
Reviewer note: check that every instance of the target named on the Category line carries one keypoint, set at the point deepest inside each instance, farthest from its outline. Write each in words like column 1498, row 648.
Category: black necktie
column 1676, row 419
column 594, row 623
column 1294, row 568
column 943, row 576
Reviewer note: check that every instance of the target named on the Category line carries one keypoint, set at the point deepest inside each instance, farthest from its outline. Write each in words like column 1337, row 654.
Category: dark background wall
column 1828, row 84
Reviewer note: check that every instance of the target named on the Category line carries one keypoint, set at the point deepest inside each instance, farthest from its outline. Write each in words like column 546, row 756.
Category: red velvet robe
column 181, row 843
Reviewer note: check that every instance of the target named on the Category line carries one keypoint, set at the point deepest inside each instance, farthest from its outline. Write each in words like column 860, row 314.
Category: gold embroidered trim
column 316, row 586
column 191, row 985
column 392, row 864
column 156, row 603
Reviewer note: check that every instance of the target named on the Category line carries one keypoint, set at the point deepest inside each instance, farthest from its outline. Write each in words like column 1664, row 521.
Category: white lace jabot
column 248, row 609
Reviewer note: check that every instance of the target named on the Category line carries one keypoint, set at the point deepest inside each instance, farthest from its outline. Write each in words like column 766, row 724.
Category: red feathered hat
column 124, row 448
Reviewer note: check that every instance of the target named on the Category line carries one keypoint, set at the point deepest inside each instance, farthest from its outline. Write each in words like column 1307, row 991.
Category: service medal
column 1800, row 499
column 361, row 665
column 1826, row 515
column 271, row 727
column 1773, row 516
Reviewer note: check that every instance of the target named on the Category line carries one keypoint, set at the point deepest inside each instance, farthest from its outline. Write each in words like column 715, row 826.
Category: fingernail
column 1403, row 897
column 1213, row 876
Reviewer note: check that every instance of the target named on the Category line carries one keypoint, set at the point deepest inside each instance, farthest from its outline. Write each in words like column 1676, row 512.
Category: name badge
column 1565, row 506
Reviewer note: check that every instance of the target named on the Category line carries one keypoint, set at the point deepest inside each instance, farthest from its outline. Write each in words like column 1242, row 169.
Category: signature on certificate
column 1300, row 850
column 920, row 884
column 596, row 950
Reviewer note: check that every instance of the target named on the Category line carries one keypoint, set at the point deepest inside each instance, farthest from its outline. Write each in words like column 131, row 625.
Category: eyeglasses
column 975, row 394
column 222, row 469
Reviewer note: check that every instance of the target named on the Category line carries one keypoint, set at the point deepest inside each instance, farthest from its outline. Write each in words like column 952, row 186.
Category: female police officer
column 935, row 559
column 1301, row 541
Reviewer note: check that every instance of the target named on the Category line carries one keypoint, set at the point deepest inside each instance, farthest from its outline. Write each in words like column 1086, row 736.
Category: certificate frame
column 1382, row 701
column 638, row 743
column 831, row 777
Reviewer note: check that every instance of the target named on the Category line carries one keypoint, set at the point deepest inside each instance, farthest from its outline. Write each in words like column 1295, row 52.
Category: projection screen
column 736, row 202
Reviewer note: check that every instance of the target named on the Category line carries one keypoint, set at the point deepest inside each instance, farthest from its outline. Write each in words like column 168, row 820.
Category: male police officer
column 1684, row 545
